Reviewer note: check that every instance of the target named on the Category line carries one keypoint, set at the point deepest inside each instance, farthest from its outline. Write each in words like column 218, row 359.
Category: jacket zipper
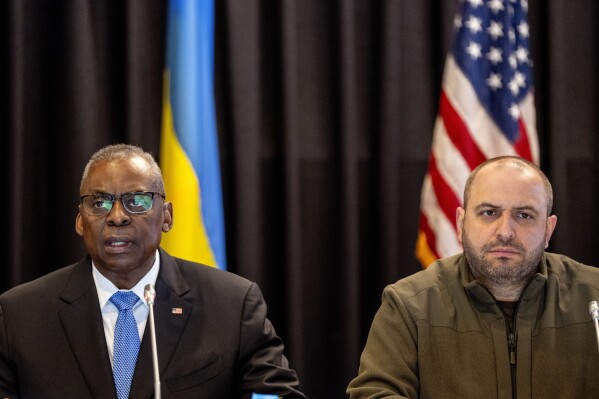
column 512, row 340
column 511, row 344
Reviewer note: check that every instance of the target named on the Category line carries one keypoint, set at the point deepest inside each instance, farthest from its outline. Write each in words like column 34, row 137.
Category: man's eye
column 100, row 202
column 488, row 212
column 133, row 201
column 525, row 215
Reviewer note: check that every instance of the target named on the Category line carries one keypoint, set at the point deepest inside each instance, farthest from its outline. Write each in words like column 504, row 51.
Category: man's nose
column 505, row 227
column 118, row 215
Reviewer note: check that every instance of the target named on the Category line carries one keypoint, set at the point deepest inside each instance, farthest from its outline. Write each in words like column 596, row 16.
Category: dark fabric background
column 325, row 111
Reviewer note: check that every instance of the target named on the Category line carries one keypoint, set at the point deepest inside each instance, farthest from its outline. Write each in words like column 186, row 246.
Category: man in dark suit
column 57, row 333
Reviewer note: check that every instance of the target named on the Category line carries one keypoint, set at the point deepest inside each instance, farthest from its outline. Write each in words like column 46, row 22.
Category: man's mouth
column 117, row 244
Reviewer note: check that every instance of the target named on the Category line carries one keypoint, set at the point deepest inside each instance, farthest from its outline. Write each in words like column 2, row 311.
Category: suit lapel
column 82, row 323
column 171, row 313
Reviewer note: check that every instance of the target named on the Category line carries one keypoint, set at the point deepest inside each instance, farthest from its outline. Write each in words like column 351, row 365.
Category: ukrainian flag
column 189, row 145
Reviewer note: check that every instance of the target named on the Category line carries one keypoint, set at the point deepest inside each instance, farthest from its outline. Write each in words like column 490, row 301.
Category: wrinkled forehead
column 508, row 184
column 126, row 173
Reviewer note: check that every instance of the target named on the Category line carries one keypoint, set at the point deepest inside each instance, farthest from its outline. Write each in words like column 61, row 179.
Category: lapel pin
column 177, row 311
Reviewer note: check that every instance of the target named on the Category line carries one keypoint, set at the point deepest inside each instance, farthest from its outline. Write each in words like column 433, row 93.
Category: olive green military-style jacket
column 440, row 334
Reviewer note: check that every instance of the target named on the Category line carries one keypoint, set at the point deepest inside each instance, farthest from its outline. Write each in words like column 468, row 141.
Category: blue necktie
column 126, row 342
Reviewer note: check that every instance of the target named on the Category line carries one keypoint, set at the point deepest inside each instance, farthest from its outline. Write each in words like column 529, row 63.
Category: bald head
column 510, row 162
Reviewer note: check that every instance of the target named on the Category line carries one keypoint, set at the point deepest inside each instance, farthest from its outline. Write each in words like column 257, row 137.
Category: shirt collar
column 105, row 288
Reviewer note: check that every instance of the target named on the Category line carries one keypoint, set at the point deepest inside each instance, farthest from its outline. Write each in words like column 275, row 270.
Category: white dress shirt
column 105, row 288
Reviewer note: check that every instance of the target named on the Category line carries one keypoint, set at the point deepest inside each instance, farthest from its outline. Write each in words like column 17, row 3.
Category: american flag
column 486, row 109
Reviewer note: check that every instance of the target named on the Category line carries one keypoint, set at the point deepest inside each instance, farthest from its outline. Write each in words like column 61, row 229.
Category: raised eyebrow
column 486, row 205
column 102, row 194
column 524, row 208
column 527, row 208
column 116, row 195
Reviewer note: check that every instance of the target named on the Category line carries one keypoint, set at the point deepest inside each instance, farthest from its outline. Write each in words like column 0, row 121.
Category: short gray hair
column 124, row 151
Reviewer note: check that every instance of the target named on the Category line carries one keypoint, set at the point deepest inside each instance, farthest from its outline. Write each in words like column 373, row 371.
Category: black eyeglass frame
column 113, row 198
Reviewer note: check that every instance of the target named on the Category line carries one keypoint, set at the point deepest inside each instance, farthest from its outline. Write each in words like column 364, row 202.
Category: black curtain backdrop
column 325, row 117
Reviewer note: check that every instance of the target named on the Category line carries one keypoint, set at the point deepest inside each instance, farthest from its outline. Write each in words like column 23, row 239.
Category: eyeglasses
column 135, row 202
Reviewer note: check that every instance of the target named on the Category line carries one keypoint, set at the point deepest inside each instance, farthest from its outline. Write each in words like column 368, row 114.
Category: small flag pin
column 177, row 311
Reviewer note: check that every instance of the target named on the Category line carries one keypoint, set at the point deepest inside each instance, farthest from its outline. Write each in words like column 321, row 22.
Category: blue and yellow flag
column 189, row 145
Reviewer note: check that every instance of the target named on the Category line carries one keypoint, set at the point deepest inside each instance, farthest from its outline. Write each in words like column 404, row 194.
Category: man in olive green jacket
column 505, row 319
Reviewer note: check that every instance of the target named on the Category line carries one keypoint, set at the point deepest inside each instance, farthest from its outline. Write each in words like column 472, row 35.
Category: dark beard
column 500, row 272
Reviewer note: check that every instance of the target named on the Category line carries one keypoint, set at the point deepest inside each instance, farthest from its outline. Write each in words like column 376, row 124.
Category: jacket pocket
column 213, row 368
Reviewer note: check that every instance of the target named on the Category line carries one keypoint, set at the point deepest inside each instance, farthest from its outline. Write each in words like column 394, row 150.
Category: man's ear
column 459, row 218
column 79, row 224
column 167, row 215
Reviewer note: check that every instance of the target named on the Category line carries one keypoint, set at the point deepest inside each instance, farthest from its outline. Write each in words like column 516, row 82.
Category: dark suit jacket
column 219, row 345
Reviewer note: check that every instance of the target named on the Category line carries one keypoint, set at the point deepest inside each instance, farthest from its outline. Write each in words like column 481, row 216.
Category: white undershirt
column 105, row 288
